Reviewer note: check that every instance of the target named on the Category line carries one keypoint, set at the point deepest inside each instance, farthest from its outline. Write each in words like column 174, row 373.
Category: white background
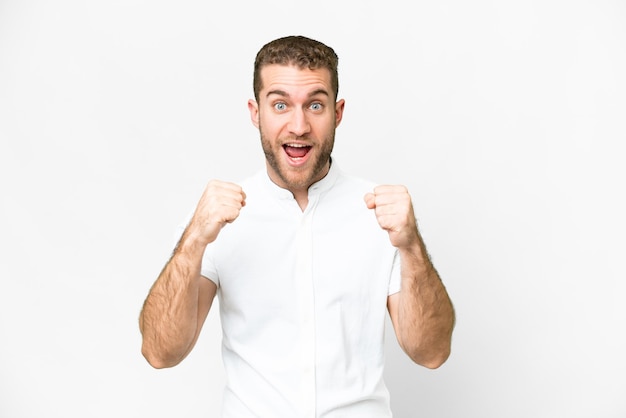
column 506, row 120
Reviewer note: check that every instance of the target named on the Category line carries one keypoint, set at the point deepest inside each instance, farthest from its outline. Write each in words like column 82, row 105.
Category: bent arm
column 422, row 313
column 176, row 307
column 180, row 299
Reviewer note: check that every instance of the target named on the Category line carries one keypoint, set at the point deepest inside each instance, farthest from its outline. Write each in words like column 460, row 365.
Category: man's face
column 296, row 115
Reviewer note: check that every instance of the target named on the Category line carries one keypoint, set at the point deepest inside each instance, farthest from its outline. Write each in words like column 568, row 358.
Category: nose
column 298, row 123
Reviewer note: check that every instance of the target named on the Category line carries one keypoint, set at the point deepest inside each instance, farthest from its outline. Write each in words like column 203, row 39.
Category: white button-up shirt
column 303, row 299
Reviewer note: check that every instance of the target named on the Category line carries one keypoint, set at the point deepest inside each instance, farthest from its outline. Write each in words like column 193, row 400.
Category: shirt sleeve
column 208, row 268
column 395, row 278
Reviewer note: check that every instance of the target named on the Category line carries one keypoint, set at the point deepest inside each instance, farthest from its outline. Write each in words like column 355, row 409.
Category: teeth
column 297, row 145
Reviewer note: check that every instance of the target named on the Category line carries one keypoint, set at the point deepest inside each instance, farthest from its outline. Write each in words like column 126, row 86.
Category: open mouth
column 296, row 152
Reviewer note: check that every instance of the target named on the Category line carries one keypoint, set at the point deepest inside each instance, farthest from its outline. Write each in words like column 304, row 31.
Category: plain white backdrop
column 506, row 120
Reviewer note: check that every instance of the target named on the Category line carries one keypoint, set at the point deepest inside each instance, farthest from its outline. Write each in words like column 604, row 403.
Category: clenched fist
column 220, row 204
column 394, row 212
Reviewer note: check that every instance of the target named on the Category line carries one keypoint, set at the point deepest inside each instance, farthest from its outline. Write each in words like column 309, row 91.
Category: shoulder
column 345, row 199
column 350, row 184
column 254, row 181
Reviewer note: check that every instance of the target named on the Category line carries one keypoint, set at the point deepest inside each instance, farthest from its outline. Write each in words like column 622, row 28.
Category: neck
column 300, row 193
column 302, row 199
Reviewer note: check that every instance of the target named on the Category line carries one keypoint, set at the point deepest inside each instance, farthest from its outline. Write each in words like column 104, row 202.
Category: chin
column 296, row 181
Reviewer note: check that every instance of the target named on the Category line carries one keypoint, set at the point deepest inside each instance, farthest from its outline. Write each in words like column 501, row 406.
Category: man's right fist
column 220, row 204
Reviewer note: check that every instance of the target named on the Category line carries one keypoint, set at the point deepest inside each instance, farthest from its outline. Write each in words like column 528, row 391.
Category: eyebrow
column 285, row 94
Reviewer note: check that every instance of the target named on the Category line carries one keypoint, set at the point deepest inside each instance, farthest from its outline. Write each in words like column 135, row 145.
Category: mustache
column 305, row 138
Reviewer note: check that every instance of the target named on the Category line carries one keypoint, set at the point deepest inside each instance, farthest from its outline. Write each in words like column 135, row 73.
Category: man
column 306, row 262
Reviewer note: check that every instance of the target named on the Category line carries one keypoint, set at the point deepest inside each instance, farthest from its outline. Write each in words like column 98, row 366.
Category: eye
column 316, row 106
column 280, row 106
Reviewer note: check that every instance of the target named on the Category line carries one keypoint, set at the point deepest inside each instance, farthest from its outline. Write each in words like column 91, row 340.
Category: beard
column 302, row 177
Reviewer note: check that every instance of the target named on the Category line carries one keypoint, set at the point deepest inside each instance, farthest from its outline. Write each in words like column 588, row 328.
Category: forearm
column 425, row 312
column 169, row 318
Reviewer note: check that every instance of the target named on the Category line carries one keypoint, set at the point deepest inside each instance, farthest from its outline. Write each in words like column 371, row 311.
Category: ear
column 339, row 111
column 253, row 107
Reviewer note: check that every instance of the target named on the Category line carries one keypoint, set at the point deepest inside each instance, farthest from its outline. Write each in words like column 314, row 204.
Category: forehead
column 292, row 79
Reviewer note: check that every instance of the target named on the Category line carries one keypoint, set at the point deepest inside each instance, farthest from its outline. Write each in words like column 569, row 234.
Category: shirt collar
column 316, row 188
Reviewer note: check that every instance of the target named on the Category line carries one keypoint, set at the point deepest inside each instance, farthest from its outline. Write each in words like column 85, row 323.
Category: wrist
column 192, row 243
column 416, row 257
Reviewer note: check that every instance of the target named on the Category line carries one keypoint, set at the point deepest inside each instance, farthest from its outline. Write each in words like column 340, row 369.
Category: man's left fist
column 394, row 212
